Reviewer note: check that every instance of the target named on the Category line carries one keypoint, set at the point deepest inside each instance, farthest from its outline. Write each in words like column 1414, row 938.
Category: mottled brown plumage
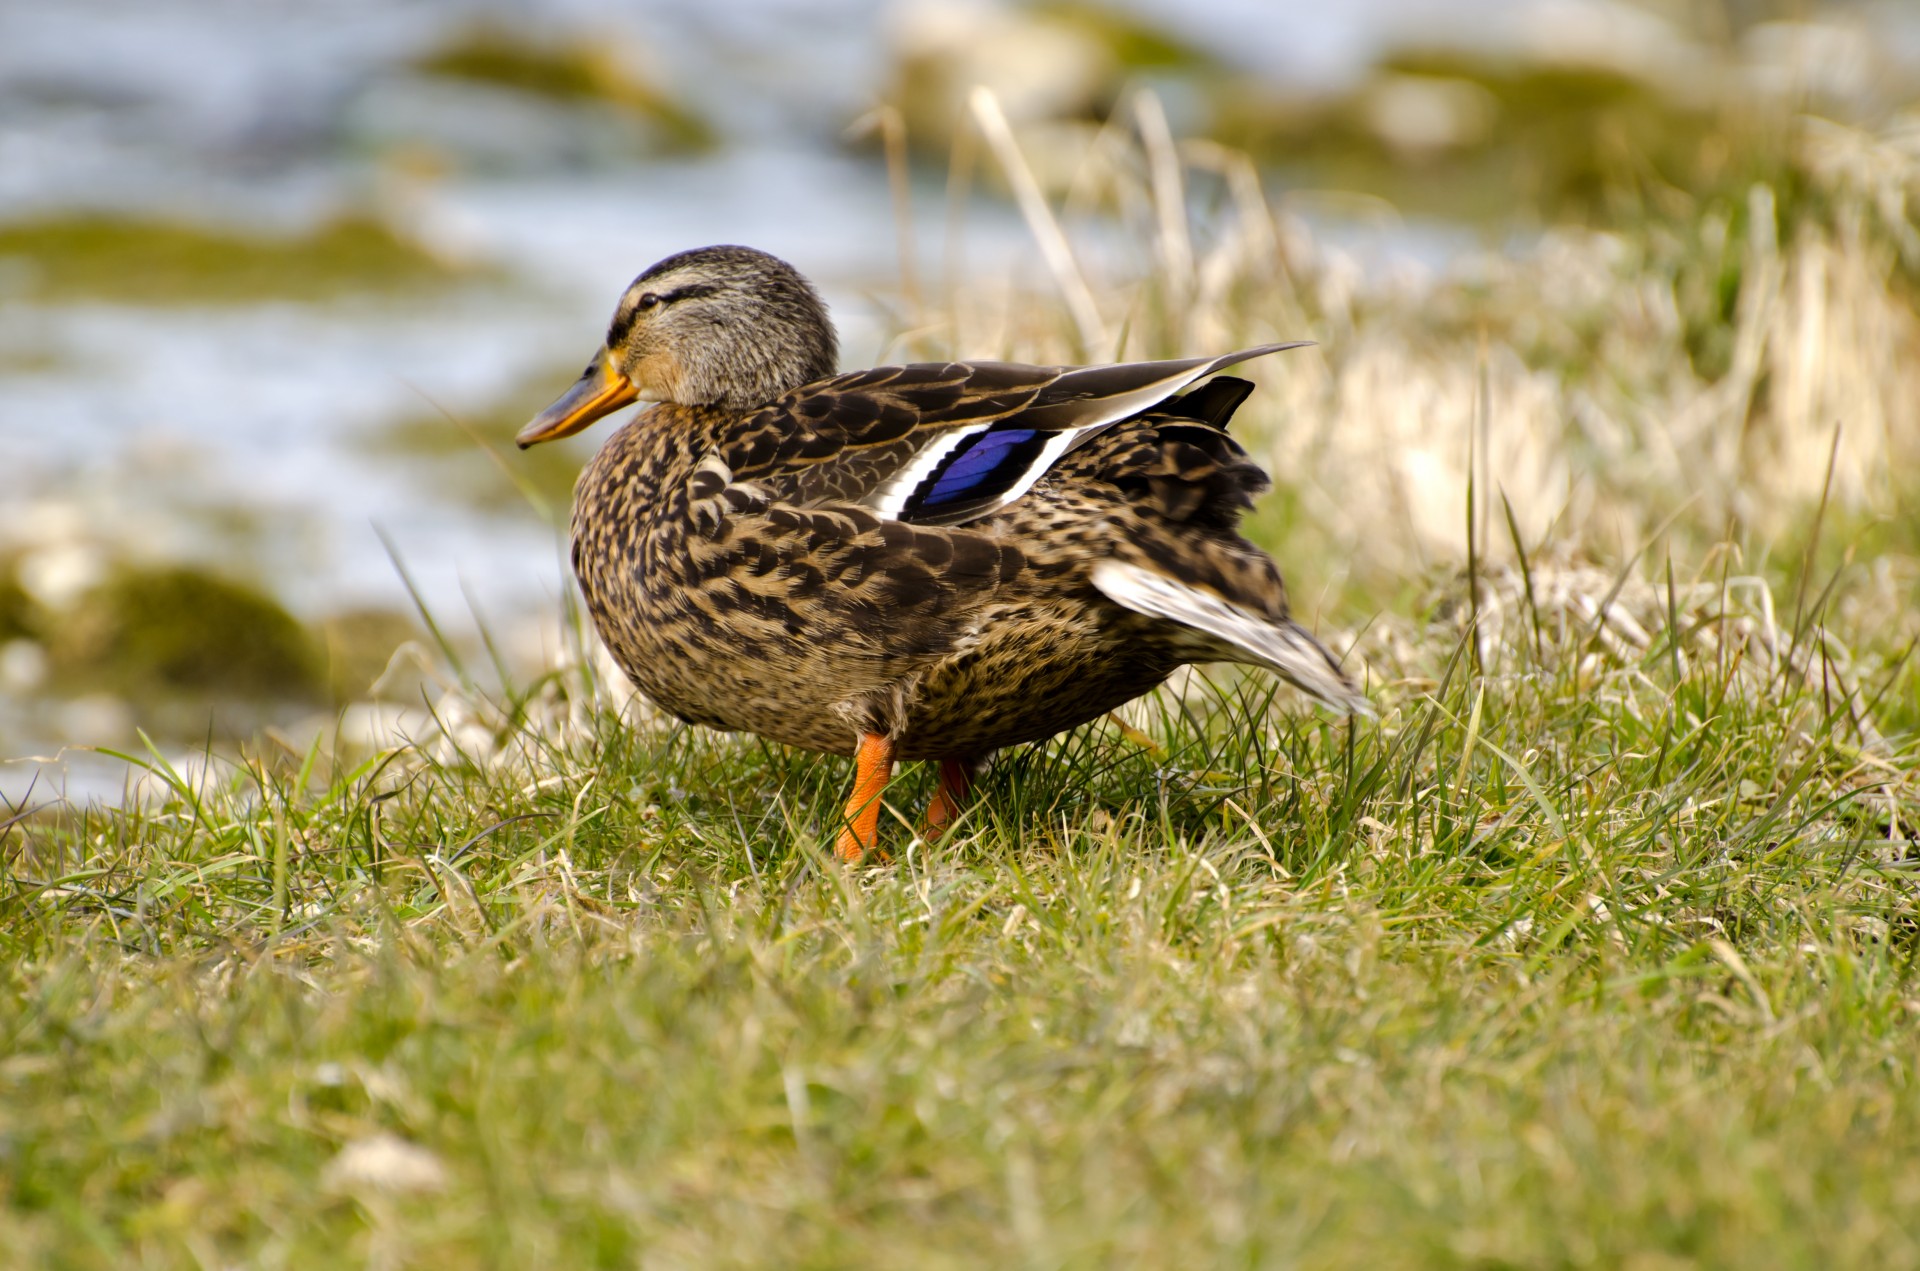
column 916, row 562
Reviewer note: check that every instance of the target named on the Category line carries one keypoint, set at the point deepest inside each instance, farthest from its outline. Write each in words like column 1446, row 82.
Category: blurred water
column 238, row 434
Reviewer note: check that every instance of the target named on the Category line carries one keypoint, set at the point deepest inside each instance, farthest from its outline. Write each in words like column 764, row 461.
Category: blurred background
column 279, row 279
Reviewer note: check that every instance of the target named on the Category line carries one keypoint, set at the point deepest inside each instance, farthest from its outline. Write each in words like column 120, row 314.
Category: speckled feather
column 959, row 556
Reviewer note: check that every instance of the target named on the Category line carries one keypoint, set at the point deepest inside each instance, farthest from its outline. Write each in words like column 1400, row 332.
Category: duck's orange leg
column 872, row 769
column 956, row 782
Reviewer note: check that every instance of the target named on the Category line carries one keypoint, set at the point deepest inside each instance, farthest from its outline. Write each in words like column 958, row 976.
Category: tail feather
column 1212, row 403
column 1283, row 646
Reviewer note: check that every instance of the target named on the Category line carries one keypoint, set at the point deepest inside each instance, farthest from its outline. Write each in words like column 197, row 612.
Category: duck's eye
column 647, row 301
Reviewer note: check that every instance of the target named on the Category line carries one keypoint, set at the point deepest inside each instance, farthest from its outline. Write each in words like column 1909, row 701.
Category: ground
column 1566, row 960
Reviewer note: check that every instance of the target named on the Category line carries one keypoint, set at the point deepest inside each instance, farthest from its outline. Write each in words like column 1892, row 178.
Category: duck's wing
column 945, row 443
column 1177, row 485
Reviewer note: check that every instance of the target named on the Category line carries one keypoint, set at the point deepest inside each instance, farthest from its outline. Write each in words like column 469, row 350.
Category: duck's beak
column 600, row 391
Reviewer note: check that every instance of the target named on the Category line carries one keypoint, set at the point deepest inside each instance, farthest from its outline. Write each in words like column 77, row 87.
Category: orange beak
column 602, row 390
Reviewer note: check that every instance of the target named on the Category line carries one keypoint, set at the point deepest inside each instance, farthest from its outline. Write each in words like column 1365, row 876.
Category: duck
column 926, row 562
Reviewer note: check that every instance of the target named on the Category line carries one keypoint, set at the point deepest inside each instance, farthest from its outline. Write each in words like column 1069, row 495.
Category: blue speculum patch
column 980, row 468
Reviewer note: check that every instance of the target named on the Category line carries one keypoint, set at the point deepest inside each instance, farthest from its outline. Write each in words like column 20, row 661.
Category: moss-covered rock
column 155, row 633
column 1060, row 61
column 20, row 616
column 173, row 262
column 1135, row 43
column 1454, row 134
column 575, row 72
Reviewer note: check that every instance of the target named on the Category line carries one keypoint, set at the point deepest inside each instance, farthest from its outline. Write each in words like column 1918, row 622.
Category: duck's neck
column 621, row 487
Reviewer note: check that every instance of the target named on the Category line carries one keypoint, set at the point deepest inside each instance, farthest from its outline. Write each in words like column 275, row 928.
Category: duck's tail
column 1282, row 645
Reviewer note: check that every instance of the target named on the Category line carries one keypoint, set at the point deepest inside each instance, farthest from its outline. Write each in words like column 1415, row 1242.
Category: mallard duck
column 920, row 562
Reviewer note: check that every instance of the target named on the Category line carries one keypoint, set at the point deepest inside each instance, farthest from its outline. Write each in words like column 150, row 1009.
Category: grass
column 1585, row 960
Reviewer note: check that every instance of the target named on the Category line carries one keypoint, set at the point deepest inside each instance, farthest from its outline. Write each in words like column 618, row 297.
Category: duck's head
column 718, row 326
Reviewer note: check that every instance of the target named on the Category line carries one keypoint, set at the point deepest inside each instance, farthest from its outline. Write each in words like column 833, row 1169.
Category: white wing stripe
column 891, row 497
